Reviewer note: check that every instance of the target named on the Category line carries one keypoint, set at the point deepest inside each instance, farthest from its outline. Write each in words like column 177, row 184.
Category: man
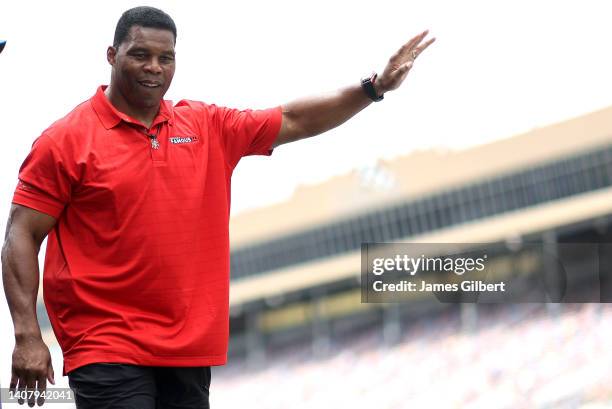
column 134, row 195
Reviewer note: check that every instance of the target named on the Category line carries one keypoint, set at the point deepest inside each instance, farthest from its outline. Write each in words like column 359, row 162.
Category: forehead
column 147, row 37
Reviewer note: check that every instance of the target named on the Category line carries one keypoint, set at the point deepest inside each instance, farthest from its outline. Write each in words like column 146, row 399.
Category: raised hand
column 401, row 62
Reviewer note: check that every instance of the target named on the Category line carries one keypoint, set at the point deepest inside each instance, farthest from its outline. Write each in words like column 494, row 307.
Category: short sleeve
column 248, row 132
column 44, row 182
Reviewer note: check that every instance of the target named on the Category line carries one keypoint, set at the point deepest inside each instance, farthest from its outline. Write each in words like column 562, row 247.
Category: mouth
column 150, row 84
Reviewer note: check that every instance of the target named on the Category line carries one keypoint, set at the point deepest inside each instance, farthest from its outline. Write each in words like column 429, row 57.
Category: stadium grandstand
column 301, row 337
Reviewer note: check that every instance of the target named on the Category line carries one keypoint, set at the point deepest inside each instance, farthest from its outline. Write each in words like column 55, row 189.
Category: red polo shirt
column 137, row 266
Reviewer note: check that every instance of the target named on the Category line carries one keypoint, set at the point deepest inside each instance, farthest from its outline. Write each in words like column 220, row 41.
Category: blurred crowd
column 519, row 356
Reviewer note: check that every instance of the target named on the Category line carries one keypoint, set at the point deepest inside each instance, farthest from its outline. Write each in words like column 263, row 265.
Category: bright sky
column 496, row 69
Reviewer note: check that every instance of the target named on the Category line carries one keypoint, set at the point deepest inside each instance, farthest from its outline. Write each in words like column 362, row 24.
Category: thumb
column 406, row 67
column 51, row 374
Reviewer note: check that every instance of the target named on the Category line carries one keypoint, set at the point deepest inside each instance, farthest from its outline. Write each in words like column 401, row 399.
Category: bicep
column 289, row 131
column 26, row 221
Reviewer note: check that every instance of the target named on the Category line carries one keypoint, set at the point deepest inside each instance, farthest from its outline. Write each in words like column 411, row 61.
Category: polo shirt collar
column 111, row 117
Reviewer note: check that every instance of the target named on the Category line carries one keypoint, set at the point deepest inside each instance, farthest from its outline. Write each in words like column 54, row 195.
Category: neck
column 142, row 114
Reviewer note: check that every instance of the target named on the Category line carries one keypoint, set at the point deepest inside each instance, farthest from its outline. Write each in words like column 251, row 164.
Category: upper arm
column 24, row 221
column 247, row 132
column 46, row 177
column 289, row 131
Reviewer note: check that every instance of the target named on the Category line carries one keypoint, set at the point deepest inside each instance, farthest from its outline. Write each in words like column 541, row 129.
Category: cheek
column 129, row 71
column 169, row 73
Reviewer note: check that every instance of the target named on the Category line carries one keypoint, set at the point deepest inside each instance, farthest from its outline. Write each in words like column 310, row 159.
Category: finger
column 31, row 388
column 51, row 373
column 13, row 384
column 406, row 48
column 418, row 50
column 416, row 40
column 42, row 388
column 404, row 68
column 21, row 389
column 422, row 48
column 400, row 74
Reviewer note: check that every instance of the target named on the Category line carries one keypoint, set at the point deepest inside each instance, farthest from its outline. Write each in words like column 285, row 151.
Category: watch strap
column 367, row 84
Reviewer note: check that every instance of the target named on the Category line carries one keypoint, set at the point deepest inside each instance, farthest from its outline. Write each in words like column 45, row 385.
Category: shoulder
column 187, row 106
column 197, row 111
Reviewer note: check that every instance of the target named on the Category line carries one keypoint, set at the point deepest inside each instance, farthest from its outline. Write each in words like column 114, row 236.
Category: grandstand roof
column 418, row 174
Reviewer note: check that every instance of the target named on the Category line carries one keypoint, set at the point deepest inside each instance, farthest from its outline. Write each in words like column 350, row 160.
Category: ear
column 111, row 55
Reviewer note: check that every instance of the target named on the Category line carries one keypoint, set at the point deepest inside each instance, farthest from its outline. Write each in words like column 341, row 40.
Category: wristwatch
column 367, row 84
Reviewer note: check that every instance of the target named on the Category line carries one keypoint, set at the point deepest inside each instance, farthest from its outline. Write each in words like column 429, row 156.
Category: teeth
column 149, row 85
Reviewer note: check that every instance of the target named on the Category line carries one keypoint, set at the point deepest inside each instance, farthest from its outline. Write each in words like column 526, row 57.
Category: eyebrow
column 146, row 50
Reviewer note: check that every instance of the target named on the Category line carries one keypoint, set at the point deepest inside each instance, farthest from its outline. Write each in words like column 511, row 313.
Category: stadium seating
column 523, row 356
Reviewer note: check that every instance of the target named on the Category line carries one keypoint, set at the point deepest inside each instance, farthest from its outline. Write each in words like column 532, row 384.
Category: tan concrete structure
column 421, row 173
column 416, row 175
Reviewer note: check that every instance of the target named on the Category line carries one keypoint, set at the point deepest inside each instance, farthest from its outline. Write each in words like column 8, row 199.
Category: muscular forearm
column 20, row 275
column 314, row 115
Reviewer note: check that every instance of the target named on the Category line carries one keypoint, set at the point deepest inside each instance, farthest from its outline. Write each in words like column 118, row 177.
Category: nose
column 153, row 66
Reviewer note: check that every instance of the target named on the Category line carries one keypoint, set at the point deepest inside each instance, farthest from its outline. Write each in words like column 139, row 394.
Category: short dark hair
column 143, row 16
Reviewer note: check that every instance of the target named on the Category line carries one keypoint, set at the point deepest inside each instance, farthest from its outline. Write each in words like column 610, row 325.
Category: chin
column 151, row 103
column 146, row 101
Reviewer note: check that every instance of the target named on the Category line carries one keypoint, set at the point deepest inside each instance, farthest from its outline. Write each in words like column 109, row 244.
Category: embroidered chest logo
column 183, row 139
